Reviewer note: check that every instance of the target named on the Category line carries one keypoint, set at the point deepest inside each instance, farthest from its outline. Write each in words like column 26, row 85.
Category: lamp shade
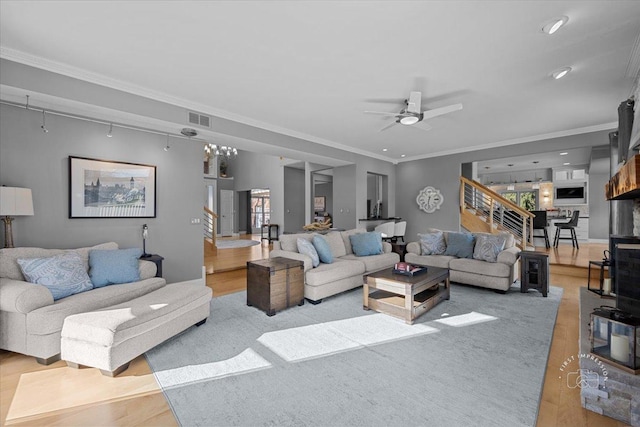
column 15, row 201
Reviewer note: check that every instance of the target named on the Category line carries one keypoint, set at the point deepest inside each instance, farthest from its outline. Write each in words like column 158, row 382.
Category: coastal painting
column 111, row 189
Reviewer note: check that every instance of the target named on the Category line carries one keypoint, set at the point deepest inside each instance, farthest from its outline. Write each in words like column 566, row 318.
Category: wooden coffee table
column 405, row 297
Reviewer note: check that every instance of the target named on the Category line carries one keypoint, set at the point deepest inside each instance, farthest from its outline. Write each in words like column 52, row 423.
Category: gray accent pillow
column 307, row 248
column 488, row 247
column 432, row 243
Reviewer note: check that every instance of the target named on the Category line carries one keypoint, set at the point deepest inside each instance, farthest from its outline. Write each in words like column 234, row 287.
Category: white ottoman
column 110, row 338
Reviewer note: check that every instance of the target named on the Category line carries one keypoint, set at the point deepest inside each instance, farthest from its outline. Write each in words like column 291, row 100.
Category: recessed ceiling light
column 403, row 155
column 555, row 24
column 560, row 73
column 535, row 162
column 487, row 167
column 510, row 164
column 409, row 120
column 566, row 163
column 564, row 153
column 384, row 149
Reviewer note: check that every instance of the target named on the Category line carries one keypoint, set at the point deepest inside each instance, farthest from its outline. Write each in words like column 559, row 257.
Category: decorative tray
column 408, row 269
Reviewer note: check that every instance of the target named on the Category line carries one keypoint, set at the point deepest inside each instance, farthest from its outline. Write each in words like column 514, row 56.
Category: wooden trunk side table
column 275, row 284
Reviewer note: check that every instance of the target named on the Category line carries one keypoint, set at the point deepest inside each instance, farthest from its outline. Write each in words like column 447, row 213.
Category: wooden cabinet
column 275, row 284
column 534, row 272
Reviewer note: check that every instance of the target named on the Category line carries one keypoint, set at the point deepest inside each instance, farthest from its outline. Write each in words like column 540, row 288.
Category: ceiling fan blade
column 429, row 114
column 388, row 126
column 413, row 104
column 381, row 113
column 422, row 126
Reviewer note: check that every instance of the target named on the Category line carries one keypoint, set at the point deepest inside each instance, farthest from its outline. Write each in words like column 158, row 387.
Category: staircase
column 484, row 210
column 210, row 229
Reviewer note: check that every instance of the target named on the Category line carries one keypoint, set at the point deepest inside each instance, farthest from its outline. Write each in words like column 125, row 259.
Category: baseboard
column 598, row 240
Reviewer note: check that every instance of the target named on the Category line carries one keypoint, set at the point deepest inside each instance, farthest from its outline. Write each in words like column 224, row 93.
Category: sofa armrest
column 276, row 245
column 509, row 256
column 414, row 248
column 23, row 297
column 386, row 247
column 308, row 264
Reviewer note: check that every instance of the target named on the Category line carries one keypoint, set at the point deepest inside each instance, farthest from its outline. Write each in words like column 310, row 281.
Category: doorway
column 260, row 209
column 226, row 212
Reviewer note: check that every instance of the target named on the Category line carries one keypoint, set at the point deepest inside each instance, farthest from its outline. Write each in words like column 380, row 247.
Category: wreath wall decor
column 429, row 199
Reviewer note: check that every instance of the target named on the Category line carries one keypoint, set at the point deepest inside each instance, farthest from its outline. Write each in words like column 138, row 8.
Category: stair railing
column 482, row 209
column 210, row 225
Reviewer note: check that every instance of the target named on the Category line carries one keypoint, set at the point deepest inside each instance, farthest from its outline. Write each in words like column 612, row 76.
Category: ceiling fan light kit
column 555, row 24
column 409, row 120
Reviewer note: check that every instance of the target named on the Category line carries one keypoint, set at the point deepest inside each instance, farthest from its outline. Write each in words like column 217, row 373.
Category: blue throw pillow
column 306, row 247
column 460, row 245
column 323, row 249
column 111, row 267
column 364, row 244
column 63, row 274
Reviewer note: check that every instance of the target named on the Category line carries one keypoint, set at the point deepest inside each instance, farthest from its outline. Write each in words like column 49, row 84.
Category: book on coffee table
column 407, row 269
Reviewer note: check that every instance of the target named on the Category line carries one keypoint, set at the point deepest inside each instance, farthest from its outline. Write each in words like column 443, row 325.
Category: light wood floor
column 133, row 398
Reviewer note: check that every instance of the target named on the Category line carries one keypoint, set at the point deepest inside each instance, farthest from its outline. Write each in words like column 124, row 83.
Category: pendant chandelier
column 220, row 150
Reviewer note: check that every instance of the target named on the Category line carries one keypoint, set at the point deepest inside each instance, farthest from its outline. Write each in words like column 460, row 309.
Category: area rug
column 478, row 359
column 239, row 243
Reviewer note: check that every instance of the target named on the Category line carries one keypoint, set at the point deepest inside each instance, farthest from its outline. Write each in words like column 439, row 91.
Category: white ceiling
column 310, row 69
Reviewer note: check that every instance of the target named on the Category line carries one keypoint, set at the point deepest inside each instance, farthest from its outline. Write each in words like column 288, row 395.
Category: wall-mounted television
column 570, row 192
column 627, row 284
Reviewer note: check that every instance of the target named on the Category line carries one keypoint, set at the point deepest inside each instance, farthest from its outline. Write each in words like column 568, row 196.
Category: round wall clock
column 429, row 199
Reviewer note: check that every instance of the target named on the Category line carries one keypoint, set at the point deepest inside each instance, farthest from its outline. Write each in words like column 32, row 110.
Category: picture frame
column 111, row 189
column 319, row 203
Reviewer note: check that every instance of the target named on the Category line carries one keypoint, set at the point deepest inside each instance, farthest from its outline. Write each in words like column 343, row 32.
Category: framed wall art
column 429, row 199
column 319, row 203
column 111, row 189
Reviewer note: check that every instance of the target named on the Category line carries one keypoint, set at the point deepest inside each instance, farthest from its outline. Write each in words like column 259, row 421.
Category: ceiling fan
column 412, row 113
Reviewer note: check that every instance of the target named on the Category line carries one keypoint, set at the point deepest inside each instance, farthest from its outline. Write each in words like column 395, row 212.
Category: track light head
column 44, row 123
column 167, row 147
column 110, row 134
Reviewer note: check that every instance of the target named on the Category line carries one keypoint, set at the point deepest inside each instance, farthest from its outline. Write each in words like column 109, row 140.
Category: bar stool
column 540, row 223
column 571, row 225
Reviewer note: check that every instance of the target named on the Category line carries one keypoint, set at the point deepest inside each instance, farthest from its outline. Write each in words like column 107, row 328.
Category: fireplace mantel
column 625, row 184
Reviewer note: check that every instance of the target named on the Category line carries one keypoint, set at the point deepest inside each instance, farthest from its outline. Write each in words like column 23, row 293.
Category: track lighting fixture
column 44, row 123
column 167, row 148
column 110, row 134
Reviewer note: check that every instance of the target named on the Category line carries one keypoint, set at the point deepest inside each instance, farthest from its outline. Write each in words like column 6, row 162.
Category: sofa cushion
column 441, row 261
column 338, row 270
column 109, row 267
column 488, row 247
column 366, row 244
column 62, row 274
column 305, row 247
column 375, row 262
column 460, row 245
column 432, row 243
column 289, row 242
column 346, row 238
column 323, row 249
column 336, row 244
column 48, row 320
column 480, row 267
column 10, row 269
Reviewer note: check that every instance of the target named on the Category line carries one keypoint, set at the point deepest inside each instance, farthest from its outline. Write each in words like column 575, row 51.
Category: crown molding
column 559, row 134
column 117, row 84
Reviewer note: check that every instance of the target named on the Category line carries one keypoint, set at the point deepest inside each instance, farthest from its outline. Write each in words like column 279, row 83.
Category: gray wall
column 293, row 200
column 598, row 206
column 344, row 202
column 443, row 173
column 30, row 158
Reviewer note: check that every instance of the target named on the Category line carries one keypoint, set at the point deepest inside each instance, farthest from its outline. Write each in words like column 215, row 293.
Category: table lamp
column 14, row 201
column 145, row 234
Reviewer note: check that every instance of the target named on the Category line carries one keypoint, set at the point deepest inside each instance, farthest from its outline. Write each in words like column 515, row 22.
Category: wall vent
column 199, row 119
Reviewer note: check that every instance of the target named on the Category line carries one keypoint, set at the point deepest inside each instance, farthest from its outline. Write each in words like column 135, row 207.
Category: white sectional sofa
column 31, row 321
column 344, row 273
column 498, row 275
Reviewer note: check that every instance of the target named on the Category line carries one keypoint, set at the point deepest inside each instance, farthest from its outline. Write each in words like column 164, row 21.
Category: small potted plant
column 223, row 168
